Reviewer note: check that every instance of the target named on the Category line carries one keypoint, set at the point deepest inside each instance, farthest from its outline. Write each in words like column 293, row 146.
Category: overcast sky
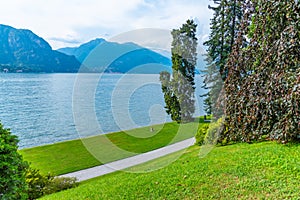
column 72, row 22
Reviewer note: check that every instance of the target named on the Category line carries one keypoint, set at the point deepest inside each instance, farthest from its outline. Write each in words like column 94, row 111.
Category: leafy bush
column 39, row 185
column 213, row 132
column 60, row 183
column 210, row 133
column 12, row 167
column 201, row 133
column 36, row 183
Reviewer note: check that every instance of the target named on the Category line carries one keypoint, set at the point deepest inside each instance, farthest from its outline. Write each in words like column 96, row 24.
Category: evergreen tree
column 179, row 91
column 224, row 27
column 172, row 103
column 12, row 168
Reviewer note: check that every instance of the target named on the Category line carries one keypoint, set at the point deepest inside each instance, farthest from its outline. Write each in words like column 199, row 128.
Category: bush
column 60, row 183
column 214, row 130
column 39, row 185
column 36, row 183
column 12, row 167
column 17, row 180
column 201, row 133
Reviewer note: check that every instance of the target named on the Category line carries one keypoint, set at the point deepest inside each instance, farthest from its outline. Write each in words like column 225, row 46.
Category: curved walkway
column 129, row 162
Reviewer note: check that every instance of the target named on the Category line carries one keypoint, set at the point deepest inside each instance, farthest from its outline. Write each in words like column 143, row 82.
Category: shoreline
column 92, row 136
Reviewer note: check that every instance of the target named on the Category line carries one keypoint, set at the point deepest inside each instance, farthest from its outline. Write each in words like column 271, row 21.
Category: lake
column 41, row 108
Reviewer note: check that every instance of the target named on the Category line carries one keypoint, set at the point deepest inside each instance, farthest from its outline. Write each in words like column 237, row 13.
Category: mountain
column 23, row 51
column 102, row 56
column 83, row 50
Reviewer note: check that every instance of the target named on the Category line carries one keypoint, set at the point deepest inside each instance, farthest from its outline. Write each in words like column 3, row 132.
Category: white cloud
column 78, row 20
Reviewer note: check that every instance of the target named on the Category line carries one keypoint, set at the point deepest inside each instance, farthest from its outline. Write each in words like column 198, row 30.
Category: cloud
column 65, row 22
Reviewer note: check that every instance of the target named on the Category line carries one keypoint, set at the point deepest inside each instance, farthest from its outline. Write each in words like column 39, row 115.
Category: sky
column 72, row 22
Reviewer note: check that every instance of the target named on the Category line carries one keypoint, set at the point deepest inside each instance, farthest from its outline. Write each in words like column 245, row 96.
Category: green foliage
column 201, row 133
column 263, row 86
column 224, row 26
column 40, row 185
column 12, row 167
column 57, row 184
column 209, row 133
column 36, row 183
column 17, row 179
column 214, row 131
column 179, row 91
column 172, row 104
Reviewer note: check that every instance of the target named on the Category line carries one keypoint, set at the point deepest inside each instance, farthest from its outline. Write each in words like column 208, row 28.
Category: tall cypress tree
column 179, row 91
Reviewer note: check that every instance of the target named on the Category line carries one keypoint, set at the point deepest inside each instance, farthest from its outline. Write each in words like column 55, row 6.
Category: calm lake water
column 40, row 108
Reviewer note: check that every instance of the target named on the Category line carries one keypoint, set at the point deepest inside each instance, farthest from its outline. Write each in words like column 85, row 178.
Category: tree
column 12, row 167
column 172, row 103
column 263, row 85
column 224, row 28
column 179, row 91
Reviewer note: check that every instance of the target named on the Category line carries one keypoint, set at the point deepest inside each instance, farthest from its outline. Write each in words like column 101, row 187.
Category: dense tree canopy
column 179, row 89
column 224, row 25
column 263, row 84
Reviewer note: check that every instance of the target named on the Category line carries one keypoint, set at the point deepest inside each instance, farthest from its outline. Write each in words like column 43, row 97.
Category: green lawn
column 258, row 171
column 75, row 155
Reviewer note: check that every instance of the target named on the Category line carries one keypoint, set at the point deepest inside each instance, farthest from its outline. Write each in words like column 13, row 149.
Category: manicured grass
column 75, row 155
column 60, row 158
column 242, row 171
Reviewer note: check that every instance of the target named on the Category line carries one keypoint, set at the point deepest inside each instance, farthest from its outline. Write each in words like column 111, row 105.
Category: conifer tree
column 179, row 91
column 224, row 27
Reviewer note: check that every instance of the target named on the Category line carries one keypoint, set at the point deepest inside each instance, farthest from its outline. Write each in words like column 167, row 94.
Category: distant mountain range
column 83, row 50
column 102, row 56
column 23, row 51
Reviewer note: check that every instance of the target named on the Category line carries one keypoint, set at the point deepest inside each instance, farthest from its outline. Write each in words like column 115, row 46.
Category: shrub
column 201, row 133
column 39, row 185
column 17, row 180
column 210, row 133
column 12, row 167
column 213, row 132
column 60, row 183
column 36, row 183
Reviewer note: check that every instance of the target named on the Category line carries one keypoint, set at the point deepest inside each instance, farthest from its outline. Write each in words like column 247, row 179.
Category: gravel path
column 129, row 162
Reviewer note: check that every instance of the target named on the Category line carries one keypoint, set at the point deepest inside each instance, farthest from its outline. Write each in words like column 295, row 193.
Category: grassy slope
column 242, row 171
column 74, row 155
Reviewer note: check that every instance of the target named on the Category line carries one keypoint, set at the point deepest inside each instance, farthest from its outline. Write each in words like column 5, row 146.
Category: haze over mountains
column 23, row 51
